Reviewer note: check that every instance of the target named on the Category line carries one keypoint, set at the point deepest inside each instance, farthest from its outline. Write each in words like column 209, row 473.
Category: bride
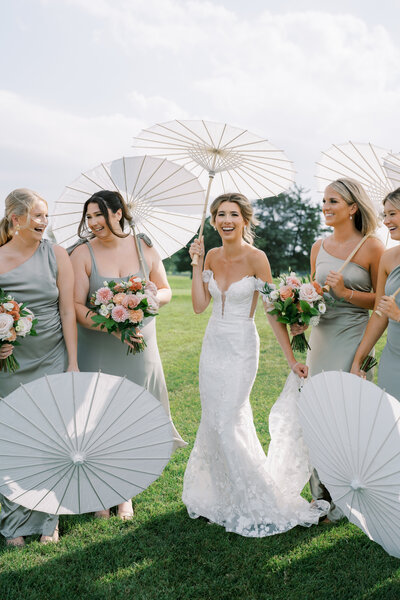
column 227, row 479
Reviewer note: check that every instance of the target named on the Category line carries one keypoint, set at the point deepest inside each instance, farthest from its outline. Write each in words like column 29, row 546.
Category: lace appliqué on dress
column 206, row 275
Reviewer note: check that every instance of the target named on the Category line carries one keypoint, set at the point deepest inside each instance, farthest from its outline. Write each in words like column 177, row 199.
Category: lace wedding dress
column 227, row 479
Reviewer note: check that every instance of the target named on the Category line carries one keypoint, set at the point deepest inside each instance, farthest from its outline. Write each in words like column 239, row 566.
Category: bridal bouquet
column 16, row 320
column 121, row 306
column 296, row 301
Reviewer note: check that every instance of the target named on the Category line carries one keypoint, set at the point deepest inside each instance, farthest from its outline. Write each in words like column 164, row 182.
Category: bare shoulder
column 317, row 245
column 258, row 256
column 374, row 244
column 79, row 253
column 60, row 253
column 390, row 259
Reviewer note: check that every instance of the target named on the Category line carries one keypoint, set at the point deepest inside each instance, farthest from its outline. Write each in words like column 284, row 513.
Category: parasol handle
column 211, row 174
column 326, row 288
column 139, row 251
column 378, row 312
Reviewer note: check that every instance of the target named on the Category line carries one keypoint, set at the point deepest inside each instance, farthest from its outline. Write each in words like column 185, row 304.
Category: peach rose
column 317, row 287
column 135, row 316
column 286, row 292
column 130, row 301
column 119, row 287
column 119, row 298
column 12, row 335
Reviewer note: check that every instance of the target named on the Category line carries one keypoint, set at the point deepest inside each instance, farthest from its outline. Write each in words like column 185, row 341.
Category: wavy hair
column 246, row 210
column 18, row 202
column 352, row 192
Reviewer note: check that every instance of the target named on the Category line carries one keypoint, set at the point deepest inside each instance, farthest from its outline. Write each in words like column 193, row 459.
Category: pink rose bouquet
column 16, row 321
column 122, row 306
column 295, row 300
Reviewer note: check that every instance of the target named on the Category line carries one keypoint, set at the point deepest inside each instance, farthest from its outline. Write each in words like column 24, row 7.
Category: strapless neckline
column 224, row 292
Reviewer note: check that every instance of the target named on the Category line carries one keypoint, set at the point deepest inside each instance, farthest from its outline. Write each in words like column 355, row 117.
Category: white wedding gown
column 227, row 479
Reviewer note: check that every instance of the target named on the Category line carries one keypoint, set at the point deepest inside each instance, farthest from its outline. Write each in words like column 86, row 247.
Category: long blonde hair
column 393, row 198
column 18, row 202
column 352, row 192
column 246, row 210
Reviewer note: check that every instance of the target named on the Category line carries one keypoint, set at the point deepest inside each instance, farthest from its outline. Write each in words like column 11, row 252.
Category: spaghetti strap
column 94, row 264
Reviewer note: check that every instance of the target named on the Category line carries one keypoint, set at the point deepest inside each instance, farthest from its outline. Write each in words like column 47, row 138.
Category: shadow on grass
column 171, row 557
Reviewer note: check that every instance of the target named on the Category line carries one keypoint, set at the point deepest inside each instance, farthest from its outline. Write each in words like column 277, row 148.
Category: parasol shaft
column 326, row 288
column 211, row 175
column 378, row 312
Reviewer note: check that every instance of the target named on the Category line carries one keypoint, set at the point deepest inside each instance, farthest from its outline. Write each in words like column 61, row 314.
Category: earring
column 351, row 217
column 17, row 230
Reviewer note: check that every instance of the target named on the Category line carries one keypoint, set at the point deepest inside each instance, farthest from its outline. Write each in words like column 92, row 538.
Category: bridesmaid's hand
column 296, row 329
column 137, row 338
column 336, row 283
column 355, row 370
column 300, row 370
column 6, row 350
column 388, row 307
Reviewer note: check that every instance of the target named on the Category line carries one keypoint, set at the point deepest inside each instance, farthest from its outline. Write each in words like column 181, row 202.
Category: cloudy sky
column 80, row 78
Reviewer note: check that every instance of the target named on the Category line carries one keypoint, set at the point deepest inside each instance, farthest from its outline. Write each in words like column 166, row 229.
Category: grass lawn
column 164, row 555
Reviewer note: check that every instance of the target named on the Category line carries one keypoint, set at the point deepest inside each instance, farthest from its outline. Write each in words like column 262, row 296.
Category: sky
column 80, row 78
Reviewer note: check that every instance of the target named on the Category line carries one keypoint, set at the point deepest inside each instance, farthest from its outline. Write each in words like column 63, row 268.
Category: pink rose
column 103, row 295
column 136, row 316
column 285, row 292
column 119, row 314
column 6, row 323
column 308, row 293
column 130, row 301
column 151, row 288
column 119, row 298
column 293, row 281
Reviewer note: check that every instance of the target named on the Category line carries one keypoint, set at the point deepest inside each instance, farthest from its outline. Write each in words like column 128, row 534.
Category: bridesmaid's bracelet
column 351, row 295
column 295, row 365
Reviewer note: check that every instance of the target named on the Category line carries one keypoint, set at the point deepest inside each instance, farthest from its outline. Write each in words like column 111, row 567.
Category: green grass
column 164, row 555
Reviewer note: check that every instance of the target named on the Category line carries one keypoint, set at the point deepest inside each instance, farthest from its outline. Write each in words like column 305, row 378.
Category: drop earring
column 17, row 230
column 351, row 217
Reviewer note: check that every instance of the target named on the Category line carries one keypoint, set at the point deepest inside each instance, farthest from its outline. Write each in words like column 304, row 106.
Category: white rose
column 23, row 326
column 322, row 308
column 6, row 323
column 104, row 310
column 308, row 293
column 109, row 306
column 8, row 306
column 274, row 295
column 314, row 321
column 268, row 304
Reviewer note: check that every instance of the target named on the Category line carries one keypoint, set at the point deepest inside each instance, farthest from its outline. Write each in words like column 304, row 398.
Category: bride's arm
column 200, row 294
column 280, row 330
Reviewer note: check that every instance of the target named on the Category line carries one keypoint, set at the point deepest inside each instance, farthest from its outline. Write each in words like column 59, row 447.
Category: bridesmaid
column 34, row 271
column 107, row 253
column 351, row 214
column 388, row 283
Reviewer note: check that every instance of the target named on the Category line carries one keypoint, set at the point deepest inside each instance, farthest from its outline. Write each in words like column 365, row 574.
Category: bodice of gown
column 236, row 302
column 355, row 277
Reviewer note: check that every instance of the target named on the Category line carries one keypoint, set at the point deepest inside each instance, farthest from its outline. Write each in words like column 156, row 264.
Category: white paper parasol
column 165, row 200
column 79, row 442
column 224, row 158
column 352, row 429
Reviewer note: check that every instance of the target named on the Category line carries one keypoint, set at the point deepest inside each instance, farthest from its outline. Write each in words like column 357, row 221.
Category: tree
column 289, row 225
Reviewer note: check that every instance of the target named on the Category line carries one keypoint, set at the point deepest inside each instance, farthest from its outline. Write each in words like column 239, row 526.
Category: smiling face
column 229, row 221
column 335, row 209
column 33, row 224
column 392, row 220
column 97, row 223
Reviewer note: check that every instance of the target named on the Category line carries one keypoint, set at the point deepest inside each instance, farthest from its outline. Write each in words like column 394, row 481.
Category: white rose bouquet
column 16, row 321
column 295, row 301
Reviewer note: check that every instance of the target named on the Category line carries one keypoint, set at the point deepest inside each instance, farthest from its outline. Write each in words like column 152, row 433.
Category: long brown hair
column 105, row 199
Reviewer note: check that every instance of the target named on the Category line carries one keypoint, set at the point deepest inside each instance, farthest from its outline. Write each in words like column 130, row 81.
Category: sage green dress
column 33, row 282
column 335, row 339
column 99, row 350
column 389, row 365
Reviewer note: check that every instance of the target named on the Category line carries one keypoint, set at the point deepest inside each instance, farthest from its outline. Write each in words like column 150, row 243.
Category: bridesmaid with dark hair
column 387, row 307
column 108, row 254
column 34, row 271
